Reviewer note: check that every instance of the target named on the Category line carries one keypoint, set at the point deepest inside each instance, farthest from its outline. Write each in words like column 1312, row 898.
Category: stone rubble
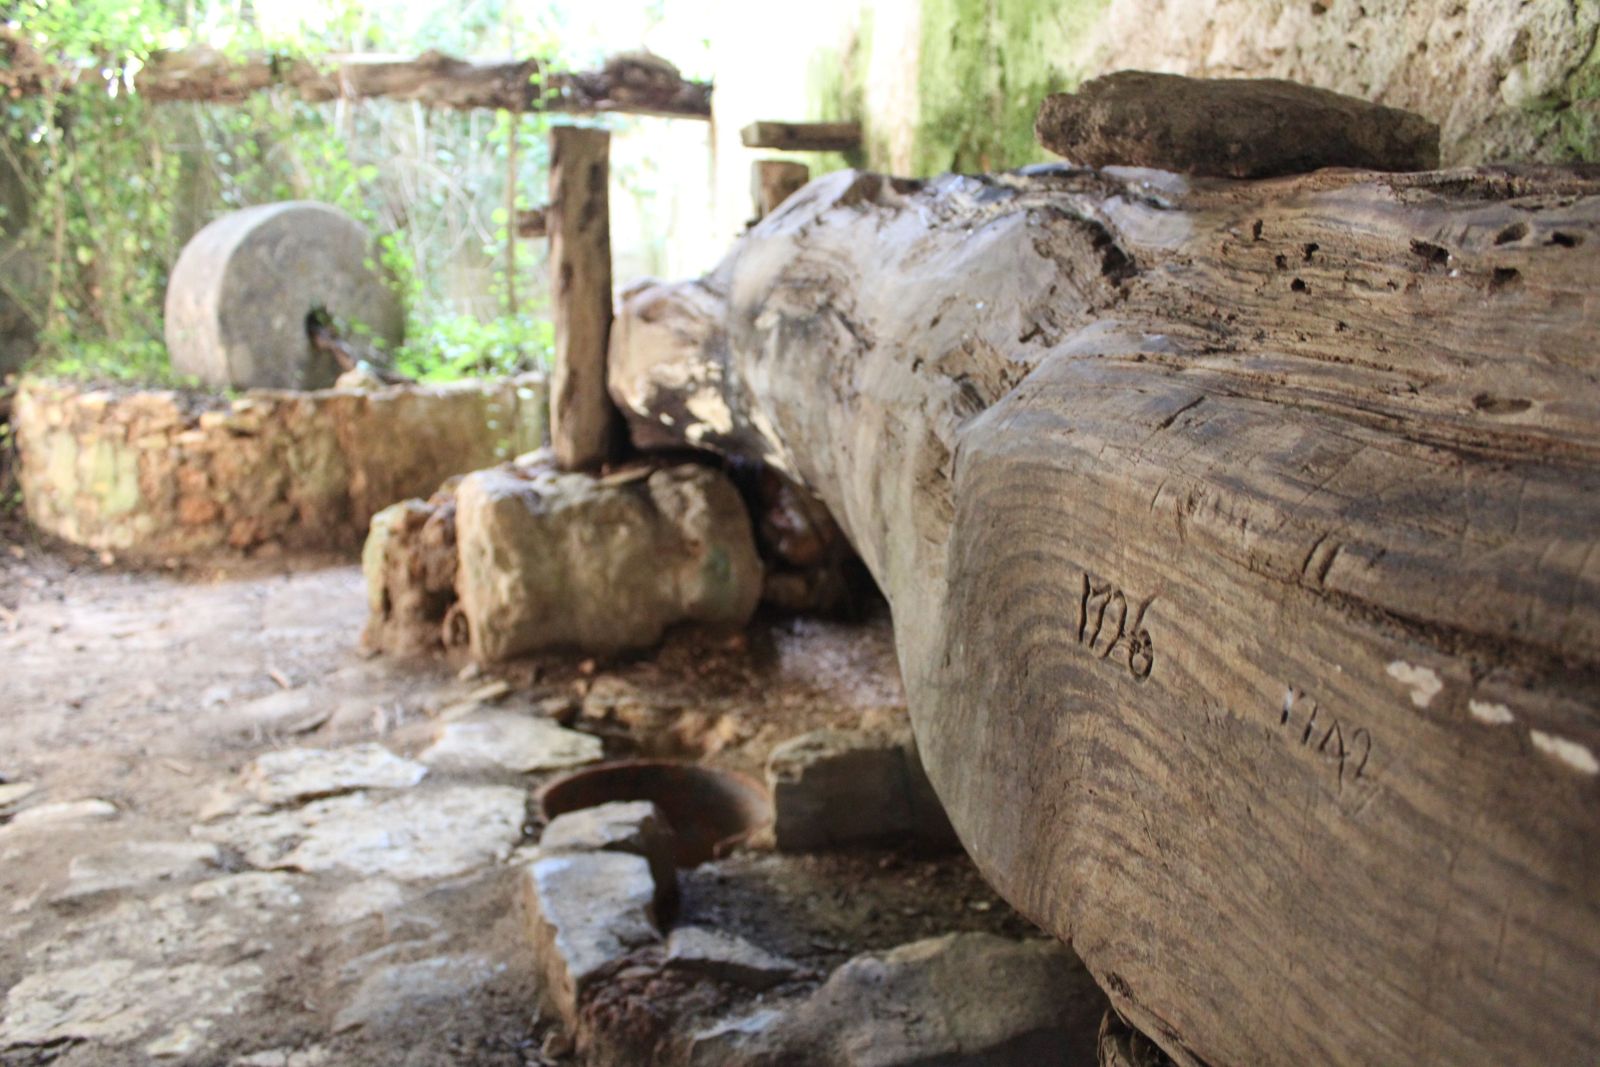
column 968, row 999
column 61, row 813
column 387, row 993
column 14, row 793
column 115, row 1000
column 1123, row 1046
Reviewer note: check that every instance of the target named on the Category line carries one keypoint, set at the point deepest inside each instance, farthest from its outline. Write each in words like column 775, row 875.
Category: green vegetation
column 1576, row 129
column 984, row 67
column 836, row 82
column 105, row 187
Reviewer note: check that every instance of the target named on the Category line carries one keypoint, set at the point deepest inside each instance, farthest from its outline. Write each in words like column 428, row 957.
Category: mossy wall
column 985, row 65
column 1507, row 80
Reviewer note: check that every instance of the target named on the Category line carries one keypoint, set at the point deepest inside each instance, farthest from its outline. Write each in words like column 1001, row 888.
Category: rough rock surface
column 1233, row 128
column 409, row 562
column 296, row 774
column 164, row 473
column 635, row 827
column 239, row 295
column 586, row 911
column 726, row 957
column 552, row 560
column 410, row 835
column 962, row 999
column 113, row 1000
column 400, row 988
column 508, row 741
column 838, row 787
column 136, row 863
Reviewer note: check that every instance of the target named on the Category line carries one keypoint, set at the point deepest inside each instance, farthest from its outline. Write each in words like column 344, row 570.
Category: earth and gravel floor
column 187, row 877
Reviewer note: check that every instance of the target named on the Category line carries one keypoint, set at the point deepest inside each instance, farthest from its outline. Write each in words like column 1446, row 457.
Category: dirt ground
column 143, row 927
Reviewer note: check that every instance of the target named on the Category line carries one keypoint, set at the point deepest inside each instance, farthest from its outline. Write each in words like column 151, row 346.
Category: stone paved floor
column 187, row 876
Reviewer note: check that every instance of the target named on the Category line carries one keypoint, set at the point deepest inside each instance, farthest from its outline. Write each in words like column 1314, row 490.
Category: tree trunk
column 1241, row 540
column 584, row 427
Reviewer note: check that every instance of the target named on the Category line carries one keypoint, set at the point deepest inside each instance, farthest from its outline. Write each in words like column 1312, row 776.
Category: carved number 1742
column 1107, row 625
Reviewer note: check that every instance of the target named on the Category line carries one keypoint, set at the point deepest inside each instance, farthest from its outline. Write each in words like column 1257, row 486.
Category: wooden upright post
column 772, row 181
column 584, row 427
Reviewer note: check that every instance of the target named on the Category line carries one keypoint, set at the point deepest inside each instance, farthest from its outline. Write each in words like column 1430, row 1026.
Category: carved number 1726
column 1107, row 625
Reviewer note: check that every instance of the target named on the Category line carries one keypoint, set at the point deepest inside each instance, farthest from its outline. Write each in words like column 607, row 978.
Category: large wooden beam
column 636, row 84
column 584, row 426
column 1243, row 541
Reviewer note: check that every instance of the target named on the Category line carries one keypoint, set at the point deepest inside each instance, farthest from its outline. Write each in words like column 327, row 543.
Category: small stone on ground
column 295, row 774
column 508, row 741
column 136, row 863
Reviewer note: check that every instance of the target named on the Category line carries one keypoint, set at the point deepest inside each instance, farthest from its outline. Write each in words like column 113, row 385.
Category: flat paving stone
column 414, row 835
column 505, row 740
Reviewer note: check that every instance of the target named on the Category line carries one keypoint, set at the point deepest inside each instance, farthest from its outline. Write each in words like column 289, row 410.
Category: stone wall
column 954, row 84
column 167, row 473
column 1506, row 80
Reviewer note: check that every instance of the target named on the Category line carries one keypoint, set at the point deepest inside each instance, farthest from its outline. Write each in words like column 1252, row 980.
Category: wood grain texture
column 584, row 427
column 1241, row 539
column 632, row 84
column 772, row 181
column 802, row 136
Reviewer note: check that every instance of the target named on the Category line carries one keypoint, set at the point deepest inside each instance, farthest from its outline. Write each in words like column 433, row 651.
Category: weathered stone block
column 586, row 911
column 567, row 560
column 636, row 827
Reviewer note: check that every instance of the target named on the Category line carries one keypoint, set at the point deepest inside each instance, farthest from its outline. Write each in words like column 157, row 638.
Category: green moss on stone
column 985, row 67
column 112, row 478
column 1567, row 121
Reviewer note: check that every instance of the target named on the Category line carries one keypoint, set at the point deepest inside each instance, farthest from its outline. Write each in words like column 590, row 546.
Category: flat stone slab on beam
column 1230, row 128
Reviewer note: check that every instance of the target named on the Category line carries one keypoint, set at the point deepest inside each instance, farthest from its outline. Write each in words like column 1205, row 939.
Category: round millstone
column 241, row 292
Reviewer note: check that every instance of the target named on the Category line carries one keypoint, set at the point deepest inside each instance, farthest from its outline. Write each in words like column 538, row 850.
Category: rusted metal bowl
column 710, row 810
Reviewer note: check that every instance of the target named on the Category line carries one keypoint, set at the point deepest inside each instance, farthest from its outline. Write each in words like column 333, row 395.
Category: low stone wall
column 168, row 473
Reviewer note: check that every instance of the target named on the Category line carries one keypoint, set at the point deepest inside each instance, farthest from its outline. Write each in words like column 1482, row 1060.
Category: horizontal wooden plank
column 802, row 136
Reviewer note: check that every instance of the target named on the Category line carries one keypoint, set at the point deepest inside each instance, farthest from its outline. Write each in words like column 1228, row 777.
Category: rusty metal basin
column 711, row 810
